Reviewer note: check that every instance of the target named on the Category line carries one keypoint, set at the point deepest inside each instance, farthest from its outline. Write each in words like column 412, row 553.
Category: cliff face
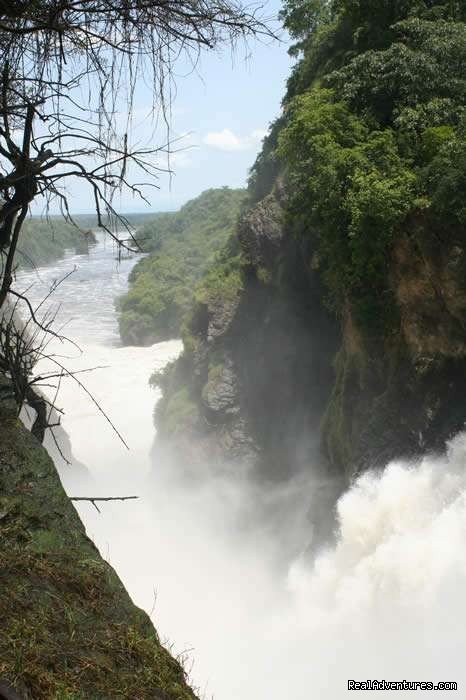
column 257, row 368
column 342, row 343
column 276, row 383
column 69, row 629
column 404, row 394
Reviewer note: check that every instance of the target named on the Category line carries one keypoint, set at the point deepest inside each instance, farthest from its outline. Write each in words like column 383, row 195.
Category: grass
column 69, row 628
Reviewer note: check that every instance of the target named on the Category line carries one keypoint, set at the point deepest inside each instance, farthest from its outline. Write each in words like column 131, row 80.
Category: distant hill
column 183, row 245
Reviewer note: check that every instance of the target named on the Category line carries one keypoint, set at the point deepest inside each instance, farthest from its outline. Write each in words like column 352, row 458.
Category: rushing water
column 84, row 304
column 217, row 562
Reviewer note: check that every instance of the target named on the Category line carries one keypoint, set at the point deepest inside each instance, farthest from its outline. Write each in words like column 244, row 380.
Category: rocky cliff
column 404, row 394
column 270, row 378
column 68, row 627
column 340, row 341
column 258, row 362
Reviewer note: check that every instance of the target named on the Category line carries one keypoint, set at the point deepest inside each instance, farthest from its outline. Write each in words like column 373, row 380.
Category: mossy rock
column 180, row 414
column 69, row 628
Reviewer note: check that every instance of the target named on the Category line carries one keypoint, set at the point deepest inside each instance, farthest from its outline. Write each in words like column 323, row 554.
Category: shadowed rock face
column 261, row 231
column 389, row 396
column 405, row 394
column 69, row 628
column 260, row 371
column 430, row 287
column 280, row 385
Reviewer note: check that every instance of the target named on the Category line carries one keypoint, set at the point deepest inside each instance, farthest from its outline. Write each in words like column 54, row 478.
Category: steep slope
column 69, row 629
column 182, row 246
column 252, row 383
column 344, row 327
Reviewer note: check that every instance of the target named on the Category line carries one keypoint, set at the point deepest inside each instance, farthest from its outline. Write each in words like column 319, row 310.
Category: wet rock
column 220, row 393
column 261, row 231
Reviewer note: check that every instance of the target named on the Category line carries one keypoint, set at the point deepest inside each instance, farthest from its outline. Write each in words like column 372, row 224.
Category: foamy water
column 390, row 594
column 217, row 562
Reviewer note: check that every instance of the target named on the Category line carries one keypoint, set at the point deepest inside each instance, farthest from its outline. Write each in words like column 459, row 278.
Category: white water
column 217, row 562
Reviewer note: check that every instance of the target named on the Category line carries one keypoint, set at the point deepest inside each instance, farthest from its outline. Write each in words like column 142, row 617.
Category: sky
column 220, row 114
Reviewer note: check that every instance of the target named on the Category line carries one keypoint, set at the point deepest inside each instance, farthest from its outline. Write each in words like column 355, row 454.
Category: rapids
column 220, row 564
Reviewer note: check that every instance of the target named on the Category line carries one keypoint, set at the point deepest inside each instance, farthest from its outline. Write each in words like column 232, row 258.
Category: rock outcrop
column 68, row 627
column 277, row 384
column 257, row 369
column 404, row 394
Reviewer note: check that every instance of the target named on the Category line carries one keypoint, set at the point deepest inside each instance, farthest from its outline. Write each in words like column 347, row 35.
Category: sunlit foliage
column 183, row 246
column 372, row 135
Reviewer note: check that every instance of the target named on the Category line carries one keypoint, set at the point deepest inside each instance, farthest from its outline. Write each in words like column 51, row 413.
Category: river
column 251, row 617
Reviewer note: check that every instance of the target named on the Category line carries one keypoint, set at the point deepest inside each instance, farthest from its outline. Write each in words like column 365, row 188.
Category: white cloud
column 227, row 140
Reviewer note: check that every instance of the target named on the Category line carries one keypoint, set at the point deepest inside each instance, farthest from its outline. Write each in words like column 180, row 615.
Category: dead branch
column 20, row 349
column 109, row 498
column 53, row 52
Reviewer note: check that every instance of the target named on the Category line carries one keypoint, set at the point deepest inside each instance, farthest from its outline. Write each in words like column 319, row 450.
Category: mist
column 255, row 619
column 226, row 566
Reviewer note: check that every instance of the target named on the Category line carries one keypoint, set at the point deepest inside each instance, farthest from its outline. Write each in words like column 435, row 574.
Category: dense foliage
column 183, row 246
column 367, row 166
column 372, row 136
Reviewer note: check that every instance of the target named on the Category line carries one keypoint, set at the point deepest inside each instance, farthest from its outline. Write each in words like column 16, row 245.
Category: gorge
column 283, row 374
column 221, row 559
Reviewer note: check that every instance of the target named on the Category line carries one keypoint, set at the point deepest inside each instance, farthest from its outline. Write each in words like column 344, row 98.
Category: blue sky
column 221, row 113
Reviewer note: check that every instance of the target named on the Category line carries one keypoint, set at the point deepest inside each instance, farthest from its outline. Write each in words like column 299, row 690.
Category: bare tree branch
column 54, row 50
column 53, row 53
column 109, row 498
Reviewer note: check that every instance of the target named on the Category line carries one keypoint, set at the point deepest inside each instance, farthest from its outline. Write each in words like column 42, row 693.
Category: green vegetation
column 372, row 137
column 177, row 412
column 69, row 629
column 224, row 279
column 372, row 146
column 183, row 245
column 44, row 241
column 368, row 164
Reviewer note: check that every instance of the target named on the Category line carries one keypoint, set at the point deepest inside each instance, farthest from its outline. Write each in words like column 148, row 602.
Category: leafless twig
column 109, row 498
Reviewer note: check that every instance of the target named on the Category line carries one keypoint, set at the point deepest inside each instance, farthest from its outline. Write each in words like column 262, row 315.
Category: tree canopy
column 372, row 137
column 183, row 245
column 69, row 67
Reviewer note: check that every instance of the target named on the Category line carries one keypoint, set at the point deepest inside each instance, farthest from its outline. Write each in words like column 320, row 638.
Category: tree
column 68, row 68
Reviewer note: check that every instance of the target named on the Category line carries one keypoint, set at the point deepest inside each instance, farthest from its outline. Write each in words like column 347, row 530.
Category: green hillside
column 346, row 290
column 183, row 246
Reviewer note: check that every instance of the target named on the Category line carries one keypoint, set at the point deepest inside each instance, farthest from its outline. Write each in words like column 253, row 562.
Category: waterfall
column 223, row 566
